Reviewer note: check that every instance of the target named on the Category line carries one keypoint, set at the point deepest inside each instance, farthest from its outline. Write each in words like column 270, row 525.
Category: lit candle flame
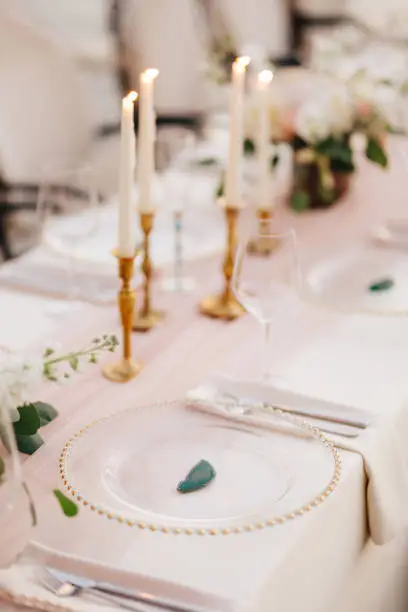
column 265, row 76
column 242, row 62
column 149, row 75
column 132, row 96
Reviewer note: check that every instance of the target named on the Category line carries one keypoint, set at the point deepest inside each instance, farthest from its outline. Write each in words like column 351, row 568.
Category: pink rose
column 364, row 109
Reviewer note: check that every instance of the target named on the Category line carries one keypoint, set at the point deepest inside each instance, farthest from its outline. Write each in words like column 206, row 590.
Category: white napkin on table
column 382, row 446
column 20, row 585
column 43, row 273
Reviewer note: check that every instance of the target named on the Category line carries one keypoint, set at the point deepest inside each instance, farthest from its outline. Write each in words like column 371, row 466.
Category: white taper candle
column 146, row 140
column 264, row 196
column 126, row 238
column 236, row 136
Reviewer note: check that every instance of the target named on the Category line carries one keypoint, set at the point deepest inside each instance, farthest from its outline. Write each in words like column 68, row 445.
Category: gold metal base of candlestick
column 125, row 370
column 225, row 305
column 144, row 323
column 263, row 245
column 146, row 318
column 218, row 307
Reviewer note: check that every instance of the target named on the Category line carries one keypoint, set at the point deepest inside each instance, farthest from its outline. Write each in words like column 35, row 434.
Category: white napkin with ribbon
column 20, row 585
column 382, row 446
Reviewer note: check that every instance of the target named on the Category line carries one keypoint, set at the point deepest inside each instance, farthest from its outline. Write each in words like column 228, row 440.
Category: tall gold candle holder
column 225, row 305
column 264, row 244
column 146, row 318
column 127, row 368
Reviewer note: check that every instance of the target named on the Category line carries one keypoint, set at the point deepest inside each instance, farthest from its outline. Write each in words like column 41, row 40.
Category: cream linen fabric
column 382, row 447
column 20, row 584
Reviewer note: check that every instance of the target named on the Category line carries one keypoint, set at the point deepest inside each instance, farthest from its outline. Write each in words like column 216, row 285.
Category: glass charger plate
column 203, row 231
column 342, row 281
column 127, row 467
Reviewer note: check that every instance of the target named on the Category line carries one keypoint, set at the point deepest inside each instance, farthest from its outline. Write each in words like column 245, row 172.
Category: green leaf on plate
column 46, row 412
column 2, row 469
column 207, row 161
column 197, row 478
column 384, row 284
column 29, row 444
column 29, row 421
column 68, row 507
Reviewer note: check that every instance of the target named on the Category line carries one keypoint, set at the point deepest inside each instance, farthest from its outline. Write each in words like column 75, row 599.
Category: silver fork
column 66, row 589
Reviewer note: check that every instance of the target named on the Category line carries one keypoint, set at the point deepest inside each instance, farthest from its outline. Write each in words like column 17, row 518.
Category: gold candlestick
column 127, row 368
column 146, row 318
column 264, row 244
column 225, row 305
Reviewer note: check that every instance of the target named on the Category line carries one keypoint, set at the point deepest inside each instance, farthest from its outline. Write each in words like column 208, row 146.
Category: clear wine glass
column 267, row 285
column 15, row 516
column 68, row 213
column 177, row 186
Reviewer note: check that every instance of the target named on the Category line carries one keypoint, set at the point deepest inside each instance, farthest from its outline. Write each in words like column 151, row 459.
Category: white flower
column 383, row 99
column 327, row 113
column 387, row 104
column 17, row 378
column 311, row 123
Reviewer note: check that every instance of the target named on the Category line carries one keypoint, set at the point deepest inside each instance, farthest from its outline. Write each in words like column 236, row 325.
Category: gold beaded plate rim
column 270, row 521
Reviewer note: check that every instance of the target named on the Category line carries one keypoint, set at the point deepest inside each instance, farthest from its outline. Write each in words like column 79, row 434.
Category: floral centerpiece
column 318, row 119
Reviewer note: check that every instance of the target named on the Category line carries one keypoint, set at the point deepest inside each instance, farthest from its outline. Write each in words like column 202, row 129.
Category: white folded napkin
column 382, row 446
column 44, row 273
column 20, row 585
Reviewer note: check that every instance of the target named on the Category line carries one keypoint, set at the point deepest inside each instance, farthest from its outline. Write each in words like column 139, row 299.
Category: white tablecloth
column 310, row 563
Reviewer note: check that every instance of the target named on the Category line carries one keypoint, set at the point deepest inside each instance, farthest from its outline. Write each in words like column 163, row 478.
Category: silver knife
column 299, row 410
column 132, row 595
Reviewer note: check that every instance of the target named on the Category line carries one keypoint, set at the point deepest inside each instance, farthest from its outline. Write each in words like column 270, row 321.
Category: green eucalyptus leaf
column 338, row 149
column 298, row 143
column 29, row 444
column 300, row 200
column 207, row 161
column 376, row 153
column 29, row 421
column 68, row 507
column 275, row 161
column 46, row 412
column 74, row 362
column 2, row 469
column 249, row 146
column 197, row 478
